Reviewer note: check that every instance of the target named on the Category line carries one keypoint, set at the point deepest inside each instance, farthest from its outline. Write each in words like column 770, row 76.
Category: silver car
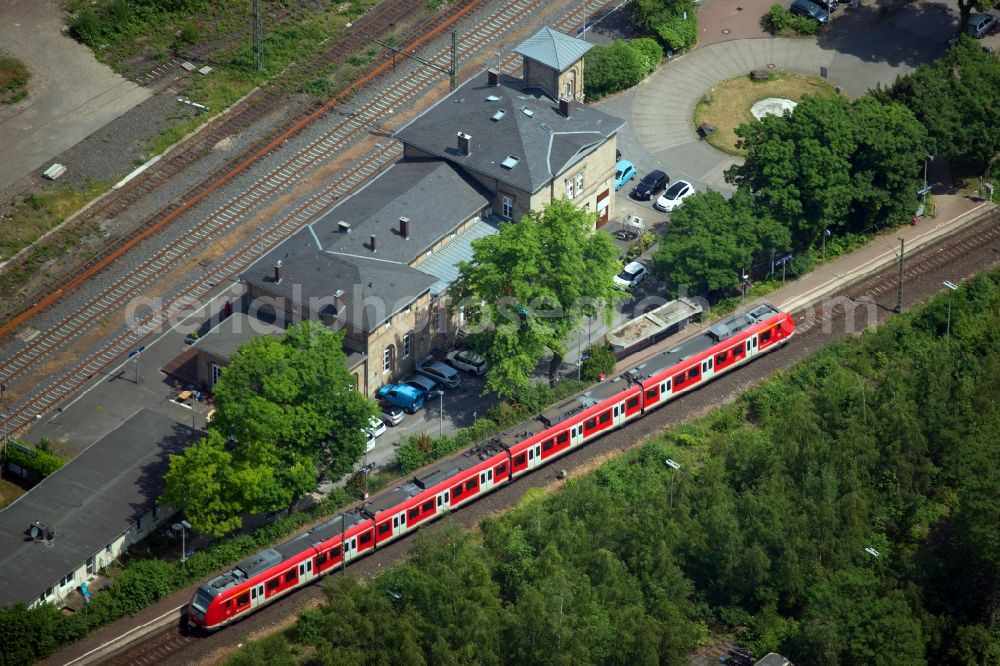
column 442, row 373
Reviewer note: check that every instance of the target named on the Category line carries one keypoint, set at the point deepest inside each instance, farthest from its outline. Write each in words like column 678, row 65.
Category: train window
column 273, row 584
column 456, row 492
column 501, row 469
column 549, row 443
column 366, row 538
column 414, row 512
column 632, row 402
column 721, row 358
column 428, row 505
column 765, row 336
column 243, row 599
column 651, row 394
column 229, row 603
column 290, row 576
column 693, row 372
column 519, row 460
column 605, row 417
column 678, row 379
column 253, row 592
column 563, row 437
column 590, row 424
column 384, row 528
column 335, row 552
column 321, row 559
column 665, row 386
column 470, row 484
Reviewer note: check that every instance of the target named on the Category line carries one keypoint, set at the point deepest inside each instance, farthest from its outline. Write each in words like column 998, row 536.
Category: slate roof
column 236, row 330
column 553, row 48
column 530, row 128
column 433, row 194
column 373, row 289
column 443, row 264
column 90, row 502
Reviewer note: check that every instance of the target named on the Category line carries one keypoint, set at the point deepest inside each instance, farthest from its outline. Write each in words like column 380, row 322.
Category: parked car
column 392, row 415
column 408, row 397
column 471, row 363
column 981, row 25
column 828, row 5
column 624, row 172
column 370, row 446
column 674, row 197
column 810, row 10
column 632, row 275
column 649, row 186
column 442, row 373
column 376, row 428
column 422, row 383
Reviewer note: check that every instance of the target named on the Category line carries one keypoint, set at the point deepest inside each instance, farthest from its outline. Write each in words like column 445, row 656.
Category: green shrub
column 777, row 20
column 189, row 33
column 678, row 33
column 652, row 52
column 612, row 68
column 802, row 25
column 28, row 457
column 600, row 361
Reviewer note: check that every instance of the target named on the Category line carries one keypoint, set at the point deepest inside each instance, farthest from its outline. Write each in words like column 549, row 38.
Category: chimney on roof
column 277, row 272
column 404, row 227
column 343, row 227
column 464, row 144
column 492, row 78
column 565, row 107
column 371, row 243
column 338, row 299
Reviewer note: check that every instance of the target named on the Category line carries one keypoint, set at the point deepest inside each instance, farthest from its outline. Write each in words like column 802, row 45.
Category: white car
column 674, row 196
column 376, row 428
column 466, row 360
column 632, row 275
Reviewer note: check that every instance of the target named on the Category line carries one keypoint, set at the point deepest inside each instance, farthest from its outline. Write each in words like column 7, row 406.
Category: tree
column 529, row 286
column 614, row 67
column 965, row 8
column 648, row 14
column 711, row 240
column 286, row 411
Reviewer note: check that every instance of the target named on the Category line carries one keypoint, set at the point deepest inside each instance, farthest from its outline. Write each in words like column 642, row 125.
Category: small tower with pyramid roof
column 553, row 62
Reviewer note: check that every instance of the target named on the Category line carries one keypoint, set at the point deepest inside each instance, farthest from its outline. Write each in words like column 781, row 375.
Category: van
column 403, row 395
column 442, row 373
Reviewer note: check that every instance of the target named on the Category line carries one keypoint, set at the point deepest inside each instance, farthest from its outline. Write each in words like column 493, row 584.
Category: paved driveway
column 861, row 49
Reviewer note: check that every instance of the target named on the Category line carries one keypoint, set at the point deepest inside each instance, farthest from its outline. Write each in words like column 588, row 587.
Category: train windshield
column 201, row 601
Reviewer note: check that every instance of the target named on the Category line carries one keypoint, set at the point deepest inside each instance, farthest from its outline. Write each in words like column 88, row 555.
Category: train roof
column 720, row 331
column 321, row 533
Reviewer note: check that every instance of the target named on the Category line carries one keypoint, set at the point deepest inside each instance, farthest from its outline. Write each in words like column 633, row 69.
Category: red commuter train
column 274, row 572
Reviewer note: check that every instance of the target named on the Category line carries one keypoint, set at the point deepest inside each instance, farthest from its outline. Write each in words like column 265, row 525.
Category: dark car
column 810, row 10
column 651, row 185
column 829, row 5
column 981, row 25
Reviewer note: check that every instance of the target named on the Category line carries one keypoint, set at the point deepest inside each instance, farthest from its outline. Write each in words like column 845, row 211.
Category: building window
column 138, row 525
column 216, row 373
column 407, row 345
column 67, row 579
column 569, row 188
column 107, row 549
column 439, row 320
column 508, row 207
column 579, row 184
column 387, row 359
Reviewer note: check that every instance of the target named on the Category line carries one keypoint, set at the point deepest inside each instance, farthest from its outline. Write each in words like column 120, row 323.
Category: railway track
column 972, row 250
column 45, row 396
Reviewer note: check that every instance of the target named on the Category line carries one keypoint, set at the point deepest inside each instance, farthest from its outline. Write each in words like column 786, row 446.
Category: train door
column 306, row 571
column 350, row 548
column 399, row 523
column 256, row 595
column 442, row 501
column 486, row 480
column 576, row 435
column 707, row 368
column 534, row 456
column 752, row 345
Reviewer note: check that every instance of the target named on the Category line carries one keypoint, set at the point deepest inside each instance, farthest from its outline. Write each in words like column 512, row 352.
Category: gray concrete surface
column 70, row 96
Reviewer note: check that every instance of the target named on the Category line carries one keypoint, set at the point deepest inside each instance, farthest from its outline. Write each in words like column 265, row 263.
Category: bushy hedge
column 41, row 462
column 30, row 634
column 678, row 33
column 779, row 21
column 620, row 65
column 415, row 451
column 600, row 361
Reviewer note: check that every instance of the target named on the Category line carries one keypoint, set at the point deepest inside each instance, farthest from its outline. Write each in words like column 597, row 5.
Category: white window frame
column 407, row 345
column 387, row 359
column 508, row 206
column 216, row 372
column 569, row 188
column 579, row 183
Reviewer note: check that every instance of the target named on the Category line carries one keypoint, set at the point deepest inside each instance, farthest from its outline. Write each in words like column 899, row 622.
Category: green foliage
column 529, row 286
column 35, row 459
column 14, row 77
column 803, row 26
column 643, row 243
column 648, row 14
column 777, row 20
column 600, row 361
column 614, row 67
column 678, row 33
column 285, row 413
column 651, row 50
column 763, row 526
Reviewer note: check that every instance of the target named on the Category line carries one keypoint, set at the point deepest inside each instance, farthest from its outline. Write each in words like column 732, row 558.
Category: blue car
column 624, row 172
column 403, row 395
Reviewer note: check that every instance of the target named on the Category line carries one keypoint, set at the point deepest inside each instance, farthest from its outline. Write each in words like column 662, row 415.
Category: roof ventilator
column 344, row 227
column 464, row 144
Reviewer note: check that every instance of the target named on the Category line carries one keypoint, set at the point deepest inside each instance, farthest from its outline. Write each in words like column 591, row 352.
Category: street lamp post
column 952, row 287
column 440, row 395
column 182, row 527
column 674, row 465
column 826, row 232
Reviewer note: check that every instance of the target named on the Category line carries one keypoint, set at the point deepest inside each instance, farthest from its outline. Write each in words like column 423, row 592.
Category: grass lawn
column 13, row 80
column 729, row 106
column 9, row 492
